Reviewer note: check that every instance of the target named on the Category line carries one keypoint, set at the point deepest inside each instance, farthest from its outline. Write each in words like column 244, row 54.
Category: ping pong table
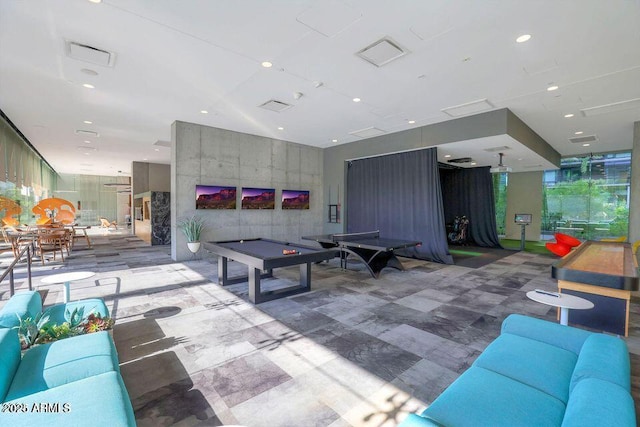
column 374, row 251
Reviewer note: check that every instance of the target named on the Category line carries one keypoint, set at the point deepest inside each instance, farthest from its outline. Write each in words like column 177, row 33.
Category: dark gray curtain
column 400, row 195
column 469, row 192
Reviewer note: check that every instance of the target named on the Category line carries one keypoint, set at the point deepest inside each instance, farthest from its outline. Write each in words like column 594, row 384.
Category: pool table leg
column 305, row 277
column 222, row 270
column 255, row 296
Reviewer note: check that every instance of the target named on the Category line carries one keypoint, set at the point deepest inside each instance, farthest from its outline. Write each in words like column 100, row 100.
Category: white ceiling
column 176, row 58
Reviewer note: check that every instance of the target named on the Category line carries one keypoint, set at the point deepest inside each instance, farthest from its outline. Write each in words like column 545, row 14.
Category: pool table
column 263, row 255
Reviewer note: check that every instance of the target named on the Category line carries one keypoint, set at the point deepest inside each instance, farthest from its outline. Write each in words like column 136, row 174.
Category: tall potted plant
column 192, row 228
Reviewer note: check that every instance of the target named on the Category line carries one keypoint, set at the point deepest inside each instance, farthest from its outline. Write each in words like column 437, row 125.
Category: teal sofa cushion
column 94, row 305
column 537, row 364
column 597, row 403
column 561, row 336
column 484, row 397
column 21, row 304
column 9, row 359
column 414, row 420
column 60, row 362
column 98, row 401
column 604, row 357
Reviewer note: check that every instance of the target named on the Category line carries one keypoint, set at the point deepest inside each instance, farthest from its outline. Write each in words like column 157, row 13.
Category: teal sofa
column 539, row 373
column 30, row 303
column 72, row 382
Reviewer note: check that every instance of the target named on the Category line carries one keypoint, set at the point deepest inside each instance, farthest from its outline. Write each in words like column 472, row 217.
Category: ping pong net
column 350, row 237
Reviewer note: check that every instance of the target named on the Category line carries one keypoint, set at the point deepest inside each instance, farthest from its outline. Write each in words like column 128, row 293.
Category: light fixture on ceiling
column 523, row 38
column 95, row 1
column 473, row 163
column 334, row 140
column 156, row 149
column 204, row 112
column 411, row 122
column 89, row 122
column 500, row 168
column 280, row 128
column 552, row 88
column 266, row 64
column 568, row 116
column 468, row 108
column 447, row 156
column 578, row 132
column 86, row 141
column 88, row 86
column 586, row 144
column 356, row 100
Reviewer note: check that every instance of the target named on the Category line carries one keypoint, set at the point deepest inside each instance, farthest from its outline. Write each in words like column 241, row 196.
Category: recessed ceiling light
column 334, row 140
column 523, row 38
column 586, row 144
column 520, row 159
column 473, row 163
column 89, row 122
column 87, row 142
column 579, row 132
column 552, row 88
column 89, row 71
column 267, row 64
column 411, row 122
column 96, row 1
column 356, row 99
column 89, row 86
column 145, row 159
column 86, row 154
column 204, row 111
column 280, row 128
column 446, row 156
column 156, row 149
column 568, row 116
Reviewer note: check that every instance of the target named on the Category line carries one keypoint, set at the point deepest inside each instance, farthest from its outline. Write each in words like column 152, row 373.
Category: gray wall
column 150, row 177
column 524, row 195
column 211, row 156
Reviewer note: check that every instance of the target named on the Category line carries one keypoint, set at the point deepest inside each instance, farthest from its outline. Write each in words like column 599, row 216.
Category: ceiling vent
column 382, row 52
column 497, row 149
column 583, row 139
column 87, row 133
column 368, row 132
column 86, row 149
column 86, row 53
column 461, row 160
column 468, row 108
column 277, row 106
column 611, row 108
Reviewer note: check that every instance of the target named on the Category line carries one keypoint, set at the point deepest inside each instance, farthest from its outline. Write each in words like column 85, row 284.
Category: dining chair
column 50, row 241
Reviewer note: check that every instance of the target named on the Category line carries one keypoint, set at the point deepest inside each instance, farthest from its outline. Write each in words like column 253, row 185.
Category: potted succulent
column 192, row 228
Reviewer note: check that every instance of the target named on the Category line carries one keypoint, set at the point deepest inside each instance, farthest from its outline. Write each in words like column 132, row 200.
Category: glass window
column 588, row 197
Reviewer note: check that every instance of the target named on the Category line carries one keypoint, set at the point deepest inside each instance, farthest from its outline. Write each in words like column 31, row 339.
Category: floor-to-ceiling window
column 588, row 197
column 500, row 197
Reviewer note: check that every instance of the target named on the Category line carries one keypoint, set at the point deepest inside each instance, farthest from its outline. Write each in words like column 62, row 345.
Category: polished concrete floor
column 355, row 351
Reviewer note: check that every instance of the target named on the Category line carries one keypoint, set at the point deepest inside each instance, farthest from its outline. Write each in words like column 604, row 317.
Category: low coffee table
column 66, row 279
column 562, row 301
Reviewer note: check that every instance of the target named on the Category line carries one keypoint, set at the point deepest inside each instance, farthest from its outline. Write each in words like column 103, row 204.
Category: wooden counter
column 605, row 273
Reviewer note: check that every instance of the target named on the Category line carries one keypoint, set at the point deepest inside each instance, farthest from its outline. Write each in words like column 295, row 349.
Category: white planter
column 193, row 246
